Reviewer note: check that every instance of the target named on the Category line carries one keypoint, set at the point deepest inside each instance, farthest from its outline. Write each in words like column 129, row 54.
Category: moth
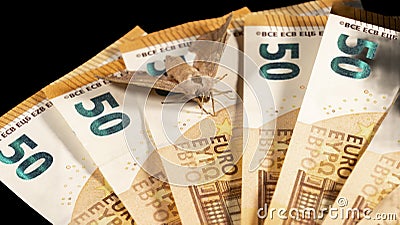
column 195, row 82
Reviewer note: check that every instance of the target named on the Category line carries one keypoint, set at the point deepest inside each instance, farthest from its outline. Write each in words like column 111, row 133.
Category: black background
column 42, row 42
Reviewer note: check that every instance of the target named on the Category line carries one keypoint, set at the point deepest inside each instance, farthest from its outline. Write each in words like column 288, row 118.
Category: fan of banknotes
column 282, row 116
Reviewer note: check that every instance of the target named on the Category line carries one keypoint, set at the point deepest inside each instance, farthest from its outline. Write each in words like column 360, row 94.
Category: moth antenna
column 212, row 102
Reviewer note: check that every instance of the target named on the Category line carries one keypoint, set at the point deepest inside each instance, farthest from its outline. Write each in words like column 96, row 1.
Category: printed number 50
column 44, row 158
column 266, row 69
column 364, row 68
column 96, row 125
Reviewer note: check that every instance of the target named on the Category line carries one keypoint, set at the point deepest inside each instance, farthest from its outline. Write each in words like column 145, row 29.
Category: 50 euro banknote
column 376, row 174
column 282, row 45
column 353, row 82
column 186, row 138
column 39, row 152
column 281, row 50
column 46, row 166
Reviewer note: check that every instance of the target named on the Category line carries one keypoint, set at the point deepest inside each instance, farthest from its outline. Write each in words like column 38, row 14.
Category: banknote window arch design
column 218, row 203
column 267, row 181
column 312, row 191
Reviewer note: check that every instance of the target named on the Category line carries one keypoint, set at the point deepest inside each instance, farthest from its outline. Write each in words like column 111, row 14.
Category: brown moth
column 194, row 81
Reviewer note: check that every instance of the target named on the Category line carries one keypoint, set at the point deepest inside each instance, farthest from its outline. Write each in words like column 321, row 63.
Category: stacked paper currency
column 282, row 116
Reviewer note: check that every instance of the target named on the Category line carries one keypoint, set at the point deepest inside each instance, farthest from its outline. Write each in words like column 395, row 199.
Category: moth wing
column 177, row 69
column 143, row 79
column 209, row 47
column 218, row 34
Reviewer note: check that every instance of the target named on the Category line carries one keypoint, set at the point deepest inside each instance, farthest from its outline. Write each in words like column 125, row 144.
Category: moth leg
column 222, row 77
column 212, row 102
column 200, row 104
